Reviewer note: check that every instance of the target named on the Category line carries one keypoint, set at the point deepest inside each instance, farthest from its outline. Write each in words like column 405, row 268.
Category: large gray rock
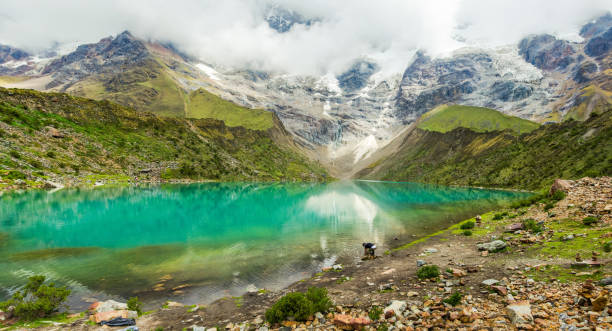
column 520, row 312
column 397, row 307
column 492, row 246
column 606, row 281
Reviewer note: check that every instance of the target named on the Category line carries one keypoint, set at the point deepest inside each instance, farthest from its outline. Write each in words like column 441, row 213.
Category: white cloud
column 234, row 32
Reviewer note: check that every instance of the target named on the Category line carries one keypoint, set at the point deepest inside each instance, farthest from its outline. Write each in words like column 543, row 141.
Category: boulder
column 458, row 272
column 108, row 305
column 560, row 185
column 343, row 321
column 109, row 315
column 514, row 227
column 606, row 281
column 600, row 303
column 396, row 308
column 492, row 246
column 520, row 312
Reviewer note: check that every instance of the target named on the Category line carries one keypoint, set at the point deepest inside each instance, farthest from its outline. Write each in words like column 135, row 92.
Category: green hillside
column 446, row 118
column 70, row 139
column 145, row 86
column 570, row 149
column 203, row 104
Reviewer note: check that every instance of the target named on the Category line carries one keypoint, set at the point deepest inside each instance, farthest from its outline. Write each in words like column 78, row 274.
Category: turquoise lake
column 196, row 243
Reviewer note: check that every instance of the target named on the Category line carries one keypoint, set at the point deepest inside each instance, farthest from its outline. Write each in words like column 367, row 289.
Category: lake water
column 199, row 242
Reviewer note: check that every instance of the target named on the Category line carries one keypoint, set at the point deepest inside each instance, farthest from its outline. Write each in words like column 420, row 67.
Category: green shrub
column 532, row 225
column 590, row 220
column 498, row 216
column 454, row 299
column 15, row 154
column 428, row 271
column 293, row 305
column 467, row 232
column 134, row 304
column 299, row 306
column 318, row 297
column 607, row 247
column 14, row 174
column 51, row 154
column 558, row 195
column 549, row 206
column 467, row 225
column 36, row 300
column 375, row 313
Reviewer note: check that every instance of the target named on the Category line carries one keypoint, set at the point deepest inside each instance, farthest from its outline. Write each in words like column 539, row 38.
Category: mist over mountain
column 345, row 81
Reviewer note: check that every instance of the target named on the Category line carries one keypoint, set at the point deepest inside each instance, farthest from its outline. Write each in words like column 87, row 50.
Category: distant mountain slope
column 570, row 149
column 203, row 104
column 446, row 118
column 72, row 139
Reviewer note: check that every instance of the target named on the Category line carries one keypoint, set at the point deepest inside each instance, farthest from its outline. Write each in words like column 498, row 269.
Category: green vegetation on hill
column 146, row 86
column 570, row 149
column 57, row 136
column 446, row 118
column 203, row 104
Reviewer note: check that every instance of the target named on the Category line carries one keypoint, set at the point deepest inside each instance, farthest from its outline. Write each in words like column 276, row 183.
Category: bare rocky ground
column 534, row 283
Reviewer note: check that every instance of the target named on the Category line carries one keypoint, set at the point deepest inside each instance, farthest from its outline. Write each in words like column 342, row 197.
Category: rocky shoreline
column 533, row 282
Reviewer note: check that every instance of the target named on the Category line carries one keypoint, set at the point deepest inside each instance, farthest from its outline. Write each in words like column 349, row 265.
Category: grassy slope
column 102, row 138
column 145, row 87
column 570, row 149
column 445, row 118
column 203, row 104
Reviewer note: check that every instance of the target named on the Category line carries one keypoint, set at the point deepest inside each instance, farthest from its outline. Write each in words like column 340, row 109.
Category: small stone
column 421, row 263
column 430, row 250
column 490, row 282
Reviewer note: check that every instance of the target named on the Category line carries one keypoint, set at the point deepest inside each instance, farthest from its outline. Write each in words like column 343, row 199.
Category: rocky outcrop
column 599, row 45
column 108, row 55
column 547, row 52
column 357, row 76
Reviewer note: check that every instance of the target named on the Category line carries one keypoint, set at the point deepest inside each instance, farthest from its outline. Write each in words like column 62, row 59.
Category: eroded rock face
column 547, row 52
column 600, row 44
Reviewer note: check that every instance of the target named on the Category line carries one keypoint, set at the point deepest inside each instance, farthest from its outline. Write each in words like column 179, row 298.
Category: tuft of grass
column 467, row 232
column 590, row 220
column 375, row 313
column 454, row 299
column 467, row 225
column 532, row 225
column 428, row 272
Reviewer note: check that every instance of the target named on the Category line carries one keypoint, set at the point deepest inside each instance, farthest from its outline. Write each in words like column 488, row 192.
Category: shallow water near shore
column 198, row 242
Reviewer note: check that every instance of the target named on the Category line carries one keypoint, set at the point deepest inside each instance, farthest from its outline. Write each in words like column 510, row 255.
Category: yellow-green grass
column 203, row 104
column 446, row 118
column 594, row 100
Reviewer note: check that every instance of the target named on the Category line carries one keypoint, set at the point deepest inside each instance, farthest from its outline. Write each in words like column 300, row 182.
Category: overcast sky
column 235, row 33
